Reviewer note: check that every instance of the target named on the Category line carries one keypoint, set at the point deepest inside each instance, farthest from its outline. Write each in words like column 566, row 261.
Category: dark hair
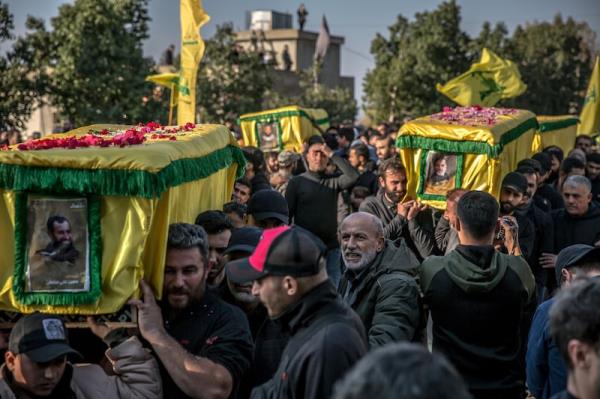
column 575, row 314
column 402, row 370
column 556, row 152
column 569, row 164
column 235, row 207
column 583, row 136
column 361, row 150
column 544, row 160
column 254, row 156
column 347, row 133
column 531, row 163
column 214, row 222
column 55, row 219
column 594, row 157
column 245, row 182
column 438, row 156
column 478, row 213
column 526, row 170
column 394, row 164
column 185, row 236
column 360, row 192
column 331, row 140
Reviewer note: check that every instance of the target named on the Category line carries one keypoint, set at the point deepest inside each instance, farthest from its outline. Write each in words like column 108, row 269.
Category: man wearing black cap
column 268, row 209
column 313, row 199
column 546, row 370
column 327, row 337
column 513, row 194
column 36, row 364
column 575, row 326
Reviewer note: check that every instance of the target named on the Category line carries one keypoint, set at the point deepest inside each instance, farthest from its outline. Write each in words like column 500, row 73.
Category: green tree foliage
column 554, row 59
column 20, row 77
column 230, row 81
column 93, row 62
column 416, row 55
column 338, row 101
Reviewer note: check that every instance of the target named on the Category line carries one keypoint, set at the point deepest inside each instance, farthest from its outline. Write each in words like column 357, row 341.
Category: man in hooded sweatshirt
column 378, row 282
column 480, row 301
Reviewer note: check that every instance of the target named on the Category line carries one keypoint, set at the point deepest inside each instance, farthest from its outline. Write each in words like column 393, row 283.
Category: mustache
column 177, row 291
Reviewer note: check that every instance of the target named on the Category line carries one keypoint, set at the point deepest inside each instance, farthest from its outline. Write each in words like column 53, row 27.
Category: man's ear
column 10, row 359
column 290, row 285
column 381, row 182
column 380, row 243
column 578, row 354
column 589, row 197
column 457, row 226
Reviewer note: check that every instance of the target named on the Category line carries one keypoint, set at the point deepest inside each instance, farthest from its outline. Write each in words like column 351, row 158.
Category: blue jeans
column 334, row 267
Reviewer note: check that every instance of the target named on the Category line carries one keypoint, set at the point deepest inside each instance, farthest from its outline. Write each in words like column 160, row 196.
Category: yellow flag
column 485, row 83
column 590, row 113
column 192, row 49
column 169, row 80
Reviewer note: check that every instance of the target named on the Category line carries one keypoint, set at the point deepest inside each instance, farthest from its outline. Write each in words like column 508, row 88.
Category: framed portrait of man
column 57, row 242
column 440, row 173
column 269, row 137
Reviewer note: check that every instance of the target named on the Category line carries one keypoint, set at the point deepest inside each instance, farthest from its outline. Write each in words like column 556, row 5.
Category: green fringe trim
column 268, row 118
column 472, row 147
column 556, row 125
column 95, row 260
column 120, row 182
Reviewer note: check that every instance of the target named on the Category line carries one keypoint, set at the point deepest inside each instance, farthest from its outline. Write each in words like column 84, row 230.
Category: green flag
column 485, row 83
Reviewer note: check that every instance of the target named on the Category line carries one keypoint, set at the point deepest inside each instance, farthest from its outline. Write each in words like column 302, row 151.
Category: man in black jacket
column 480, row 302
column 378, row 282
column 592, row 172
column 543, row 233
column 327, row 337
column 313, row 199
column 402, row 221
column 578, row 222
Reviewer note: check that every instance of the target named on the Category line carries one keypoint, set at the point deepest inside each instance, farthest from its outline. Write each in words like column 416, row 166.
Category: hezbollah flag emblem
column 485, row 83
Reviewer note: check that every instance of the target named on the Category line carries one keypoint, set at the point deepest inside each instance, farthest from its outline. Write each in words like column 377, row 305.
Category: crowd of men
column 322, row 279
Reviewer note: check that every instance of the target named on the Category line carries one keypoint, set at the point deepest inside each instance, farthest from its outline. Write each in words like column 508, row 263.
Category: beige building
column 270, row 32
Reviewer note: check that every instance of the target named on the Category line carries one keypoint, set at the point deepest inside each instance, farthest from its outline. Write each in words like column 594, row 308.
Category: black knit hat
column 515, row 181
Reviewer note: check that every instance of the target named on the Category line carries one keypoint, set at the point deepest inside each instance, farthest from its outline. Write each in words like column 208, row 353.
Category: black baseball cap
column 269, row 204
column 282, row 251
column 316, row 139
column 244, row 239
column 572, row 255
column 515, row 181
column 41, row 337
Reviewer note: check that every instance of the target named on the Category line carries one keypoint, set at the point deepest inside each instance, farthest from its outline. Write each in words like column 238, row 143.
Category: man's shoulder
column 224, row 311
column 371, row 203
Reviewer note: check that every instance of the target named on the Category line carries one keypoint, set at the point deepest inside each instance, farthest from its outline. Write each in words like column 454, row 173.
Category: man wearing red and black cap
column 36, row 364
column 327, row 337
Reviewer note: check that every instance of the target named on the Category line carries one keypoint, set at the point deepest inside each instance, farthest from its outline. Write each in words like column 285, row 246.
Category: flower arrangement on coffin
column 151, row 131
column 473, row 116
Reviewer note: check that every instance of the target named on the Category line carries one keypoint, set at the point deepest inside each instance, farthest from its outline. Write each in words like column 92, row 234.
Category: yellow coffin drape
column 560, row 130
column 133, row 227
column 294, row 126
column 481, row 154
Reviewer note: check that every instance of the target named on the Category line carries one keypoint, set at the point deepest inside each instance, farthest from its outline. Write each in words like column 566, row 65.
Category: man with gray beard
column 378, row 282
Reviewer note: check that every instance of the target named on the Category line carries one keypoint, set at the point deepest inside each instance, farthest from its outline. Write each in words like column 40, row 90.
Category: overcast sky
column 357, row 20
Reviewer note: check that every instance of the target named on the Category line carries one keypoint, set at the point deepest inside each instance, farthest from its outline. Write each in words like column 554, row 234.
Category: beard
column 394, row 196
column 180, row 298
column 355, row 260
column 506, row 207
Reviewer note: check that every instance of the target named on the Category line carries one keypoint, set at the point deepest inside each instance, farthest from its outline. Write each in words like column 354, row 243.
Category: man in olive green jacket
column 378, row 282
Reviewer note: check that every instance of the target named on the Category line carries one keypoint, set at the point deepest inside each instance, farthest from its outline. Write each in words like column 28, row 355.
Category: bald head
column 361, row 238
column 365, row 220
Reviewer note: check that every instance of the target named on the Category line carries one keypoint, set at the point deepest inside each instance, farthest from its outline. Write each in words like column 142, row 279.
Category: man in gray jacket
column 378, row 282
column 403, row 220
column 36, row 364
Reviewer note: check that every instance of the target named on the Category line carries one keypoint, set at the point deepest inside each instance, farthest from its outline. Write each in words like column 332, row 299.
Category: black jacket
column 385, row 296
column 481, row 302
column 569, row 230
column 417, row 233
column 548, row 193
column 544, row 239
column 313, row 200
column 327, row 338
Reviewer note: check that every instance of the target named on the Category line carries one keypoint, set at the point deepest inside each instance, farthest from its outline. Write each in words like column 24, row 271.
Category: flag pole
column 171, row 105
